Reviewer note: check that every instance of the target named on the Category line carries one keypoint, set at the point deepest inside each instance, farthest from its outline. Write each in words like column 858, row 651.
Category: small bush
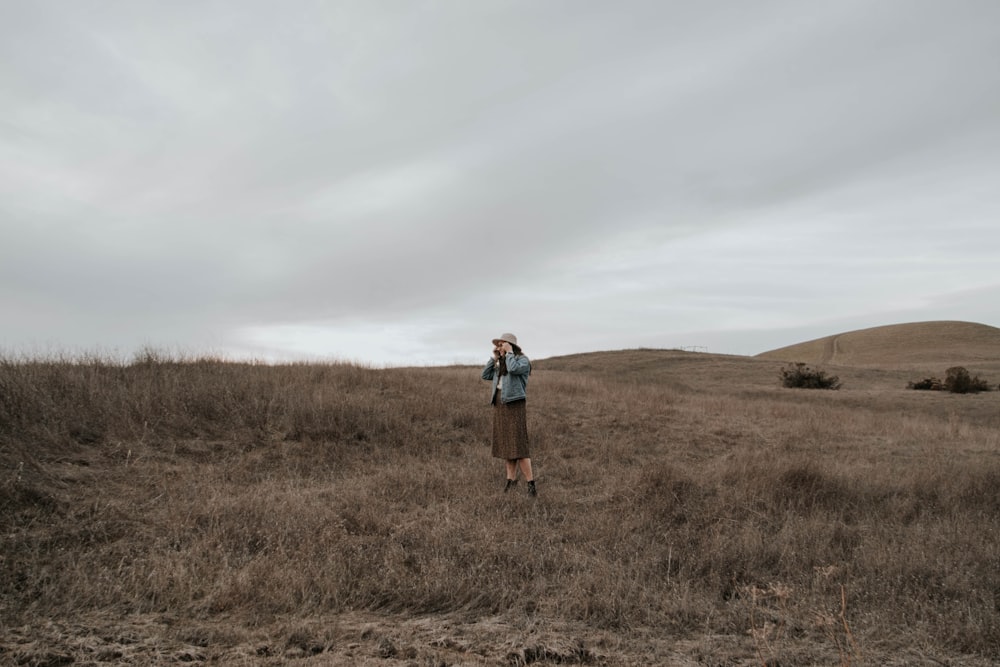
column 927, row 384
column 801, row 376
column 958, row 381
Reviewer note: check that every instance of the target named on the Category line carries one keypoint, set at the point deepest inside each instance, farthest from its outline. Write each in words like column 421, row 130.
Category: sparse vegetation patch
column 927, row 384
column 801, row 376
column 957, row 380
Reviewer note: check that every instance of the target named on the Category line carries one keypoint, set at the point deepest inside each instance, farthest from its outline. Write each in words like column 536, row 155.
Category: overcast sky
column 397, row 182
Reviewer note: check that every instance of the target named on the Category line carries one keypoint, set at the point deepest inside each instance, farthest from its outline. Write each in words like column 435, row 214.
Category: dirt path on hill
column 831, row 350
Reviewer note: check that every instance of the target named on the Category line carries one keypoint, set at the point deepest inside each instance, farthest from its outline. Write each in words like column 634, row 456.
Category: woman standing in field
column 509, row 369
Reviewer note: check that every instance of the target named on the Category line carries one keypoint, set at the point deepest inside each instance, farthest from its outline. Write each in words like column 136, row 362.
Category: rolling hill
column 878, row 358
column 900, row 346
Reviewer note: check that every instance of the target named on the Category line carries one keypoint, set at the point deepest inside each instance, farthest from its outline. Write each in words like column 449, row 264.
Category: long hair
column 502, row 361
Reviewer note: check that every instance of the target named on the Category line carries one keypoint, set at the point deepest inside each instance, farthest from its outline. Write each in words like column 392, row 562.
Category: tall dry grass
column 678, row 502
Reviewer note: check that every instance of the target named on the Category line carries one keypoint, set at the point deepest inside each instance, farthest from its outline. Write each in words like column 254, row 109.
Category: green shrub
column 801, row 376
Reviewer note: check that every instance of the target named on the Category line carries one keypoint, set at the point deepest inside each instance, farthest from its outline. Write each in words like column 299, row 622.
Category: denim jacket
column 515, row 382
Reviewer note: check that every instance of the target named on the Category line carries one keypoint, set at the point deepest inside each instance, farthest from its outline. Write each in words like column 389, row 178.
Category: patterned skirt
column 510, row 429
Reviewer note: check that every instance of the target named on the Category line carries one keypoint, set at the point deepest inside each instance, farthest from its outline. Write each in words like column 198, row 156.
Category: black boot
column 532, row 491
column 511, row 483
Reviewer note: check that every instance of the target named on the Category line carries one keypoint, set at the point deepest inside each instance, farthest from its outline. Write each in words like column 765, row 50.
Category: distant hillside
column 675, row 368
column 918, row 344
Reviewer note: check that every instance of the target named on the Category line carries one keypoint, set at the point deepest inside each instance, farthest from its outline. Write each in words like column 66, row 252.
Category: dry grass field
column 691, row 511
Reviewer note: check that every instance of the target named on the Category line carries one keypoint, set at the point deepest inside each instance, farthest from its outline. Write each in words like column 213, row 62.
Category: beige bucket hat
column 509, row 337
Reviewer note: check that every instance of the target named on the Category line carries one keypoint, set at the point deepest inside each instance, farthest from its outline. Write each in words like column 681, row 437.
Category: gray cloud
column 297, row 180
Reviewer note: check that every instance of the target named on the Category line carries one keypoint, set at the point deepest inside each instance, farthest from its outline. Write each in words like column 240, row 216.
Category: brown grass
column 691, row 511
column 938, row 345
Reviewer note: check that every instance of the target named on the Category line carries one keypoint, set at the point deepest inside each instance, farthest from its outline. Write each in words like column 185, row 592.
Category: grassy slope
column 921, row 345
column 692, row 511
